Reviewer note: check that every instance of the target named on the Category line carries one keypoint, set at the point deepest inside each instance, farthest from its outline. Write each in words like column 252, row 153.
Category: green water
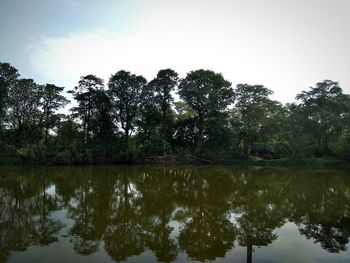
column 173, row 214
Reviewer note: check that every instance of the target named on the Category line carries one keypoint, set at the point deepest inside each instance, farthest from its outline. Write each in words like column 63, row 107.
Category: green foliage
column 324, row 109
column 254, row 108
column 8, row 79
column 85, row 94
column 24, row 111
column 160, row 94
column 52, row 100
column 73, row 155
column 134, row 119
column 33, row 153
column 208, row 94
column 125, row 90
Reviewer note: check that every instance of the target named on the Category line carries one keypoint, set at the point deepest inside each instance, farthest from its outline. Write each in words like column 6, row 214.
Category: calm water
column 149, row 214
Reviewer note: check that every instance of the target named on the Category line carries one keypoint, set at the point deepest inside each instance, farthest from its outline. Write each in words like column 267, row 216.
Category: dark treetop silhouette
column 133, row 120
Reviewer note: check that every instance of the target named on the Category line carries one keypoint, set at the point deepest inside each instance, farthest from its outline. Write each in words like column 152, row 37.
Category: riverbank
column 177, row 160
column 299, row 163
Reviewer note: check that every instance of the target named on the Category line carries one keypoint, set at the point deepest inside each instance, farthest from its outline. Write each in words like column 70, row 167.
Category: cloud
column 64, row 59
column 247, row 43
column 103, row 53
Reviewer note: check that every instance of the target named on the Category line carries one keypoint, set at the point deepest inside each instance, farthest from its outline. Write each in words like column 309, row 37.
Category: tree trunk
column 200, row 132
column 127, row 143
column 164, row 108
column 88, row 120
column 85, row 130
column 249, row 251
column 46, row 128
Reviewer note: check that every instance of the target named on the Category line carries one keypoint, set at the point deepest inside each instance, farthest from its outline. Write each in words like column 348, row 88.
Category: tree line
column 130, row 119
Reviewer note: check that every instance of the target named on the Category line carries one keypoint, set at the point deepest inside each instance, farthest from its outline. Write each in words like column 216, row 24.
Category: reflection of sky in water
column 51, row 190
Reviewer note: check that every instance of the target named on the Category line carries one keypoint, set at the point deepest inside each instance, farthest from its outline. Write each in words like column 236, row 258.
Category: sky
column 286, row 45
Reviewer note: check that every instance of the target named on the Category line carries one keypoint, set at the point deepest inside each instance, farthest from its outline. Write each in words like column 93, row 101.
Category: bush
column 64, row 157
column 33, row 153
column 72, row 156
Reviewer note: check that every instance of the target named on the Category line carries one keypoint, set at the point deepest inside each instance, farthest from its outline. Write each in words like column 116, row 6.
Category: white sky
column 285, row 45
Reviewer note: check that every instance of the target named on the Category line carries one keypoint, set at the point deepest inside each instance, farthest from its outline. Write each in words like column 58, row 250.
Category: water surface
column 173, row 214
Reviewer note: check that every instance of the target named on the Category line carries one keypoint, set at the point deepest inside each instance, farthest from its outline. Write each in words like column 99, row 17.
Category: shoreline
column 283, row 162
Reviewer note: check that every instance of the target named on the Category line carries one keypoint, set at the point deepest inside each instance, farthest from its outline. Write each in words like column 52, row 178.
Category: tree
column 25, row 114
column 184, row 136
column 85, row 93
column 299, row 138
column 8, row 78
column 208, row 93
column 52, row 100
column 101, row 121
column 324, row 108
column 149, row 122
column 163, row 85
column 68, row 142
column 124, row 90
column 253, row 103
column 273, row 139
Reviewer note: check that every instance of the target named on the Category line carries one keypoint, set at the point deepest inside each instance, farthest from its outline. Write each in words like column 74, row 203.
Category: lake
column 173, row 214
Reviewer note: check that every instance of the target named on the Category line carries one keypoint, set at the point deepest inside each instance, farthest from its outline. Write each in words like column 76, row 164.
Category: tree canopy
column 200, row 116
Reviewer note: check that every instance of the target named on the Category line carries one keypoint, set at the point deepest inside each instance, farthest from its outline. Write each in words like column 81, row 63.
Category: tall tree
column 124, row 90
column 164, row 84
column 253, row 103
column 299, row 138
column 84, row 94
column 8, row 78
column 208, row 93
column 184, row 136
column 101, row 121
column 52, row 100
column 149, row 122
column 324, row 108
column 25, row 114
column 273, row 138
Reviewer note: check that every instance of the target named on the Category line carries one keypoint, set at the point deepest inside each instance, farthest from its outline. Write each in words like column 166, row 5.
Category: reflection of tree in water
column 208, row 235
column 157, row 206
column 87, row 198
column 333, row 236
column 158, row 240
column 82, row 233
column 254, row 232
column 124, row 235
column 320, row 210
column 81, row 210
column 141, row 205
column 207, row 232
column 25, row 213
column 45, row 227
column 132, row 210
column 89, row 208
column 259, row 205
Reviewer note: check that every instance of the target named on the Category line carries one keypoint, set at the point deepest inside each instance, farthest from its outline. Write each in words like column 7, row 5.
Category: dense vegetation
column 131, row 119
